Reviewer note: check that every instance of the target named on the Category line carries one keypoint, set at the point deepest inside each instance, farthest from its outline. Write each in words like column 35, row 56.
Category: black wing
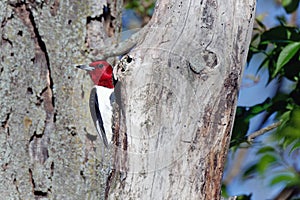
column 96, row 115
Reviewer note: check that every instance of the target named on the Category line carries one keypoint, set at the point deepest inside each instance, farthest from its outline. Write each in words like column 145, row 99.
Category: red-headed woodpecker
column 101, row 97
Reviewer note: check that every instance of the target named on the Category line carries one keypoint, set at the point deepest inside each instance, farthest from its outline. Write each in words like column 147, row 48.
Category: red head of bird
column 101, row 73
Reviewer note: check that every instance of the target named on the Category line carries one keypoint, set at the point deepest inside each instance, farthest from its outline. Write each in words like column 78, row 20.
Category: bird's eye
column 100, row 65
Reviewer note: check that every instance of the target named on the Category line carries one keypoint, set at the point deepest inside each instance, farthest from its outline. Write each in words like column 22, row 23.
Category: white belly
column 105, row 106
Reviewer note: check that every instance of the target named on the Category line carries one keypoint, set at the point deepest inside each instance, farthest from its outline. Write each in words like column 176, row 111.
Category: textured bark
column 178, row 100
column 48, row 145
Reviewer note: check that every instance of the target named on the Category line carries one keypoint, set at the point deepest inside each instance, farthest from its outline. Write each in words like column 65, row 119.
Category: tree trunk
column 48, row 145
column 178, row 100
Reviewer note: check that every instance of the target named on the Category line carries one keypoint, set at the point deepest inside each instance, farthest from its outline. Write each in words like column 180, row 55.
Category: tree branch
column 118, row 49
column 262, row 131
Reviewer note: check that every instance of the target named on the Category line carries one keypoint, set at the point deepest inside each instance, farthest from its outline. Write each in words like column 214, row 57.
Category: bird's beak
column 85, row 67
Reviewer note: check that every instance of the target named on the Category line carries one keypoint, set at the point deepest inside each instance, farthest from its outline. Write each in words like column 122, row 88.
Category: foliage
column 280, row 46
column 290, row 5
column 143, row 8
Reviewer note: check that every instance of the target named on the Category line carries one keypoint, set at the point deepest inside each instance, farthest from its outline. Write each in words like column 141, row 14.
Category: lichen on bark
column 46, row 149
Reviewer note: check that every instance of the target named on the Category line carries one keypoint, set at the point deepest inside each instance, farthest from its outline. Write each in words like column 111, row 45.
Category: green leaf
column 286, row 178
column 267, row 149
column 265, row 162
column 289, row 130
column 224, row 191
column 279, row 104
column 290, row 5
column 271, row 68
column 279, row 35
column 287, row 142
column 240, row 128
column 291, row 70
column 285, row 55
column 285, row 117
column 250, row 171
column 258, row 108
column 295, row 146
column 295, row 117
column 244, row 197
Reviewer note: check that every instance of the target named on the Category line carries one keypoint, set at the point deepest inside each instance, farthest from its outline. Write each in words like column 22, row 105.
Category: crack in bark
column 113, row 50
column 41, row 53
column 38, row 142
column 31, row 179
column 52, row 169
column 42, row 56
column 82, row 92
column 15, row 182
column 6, row 40
column 92, row 25
column 43, row 48
column 54, row 7
column 109, row 182
column 231, row 86
column 108, row 20
column 4, row 124
column 82, row 175
column 37, row 193
column 6, row 19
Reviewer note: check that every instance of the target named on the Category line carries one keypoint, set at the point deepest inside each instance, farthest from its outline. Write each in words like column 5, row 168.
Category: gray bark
column 178, row 99
column 48, row 145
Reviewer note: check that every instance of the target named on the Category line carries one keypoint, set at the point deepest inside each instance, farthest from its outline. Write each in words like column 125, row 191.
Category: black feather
column 96, row 115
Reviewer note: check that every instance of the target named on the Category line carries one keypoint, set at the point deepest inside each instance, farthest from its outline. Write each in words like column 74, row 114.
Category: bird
column 101, row 97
